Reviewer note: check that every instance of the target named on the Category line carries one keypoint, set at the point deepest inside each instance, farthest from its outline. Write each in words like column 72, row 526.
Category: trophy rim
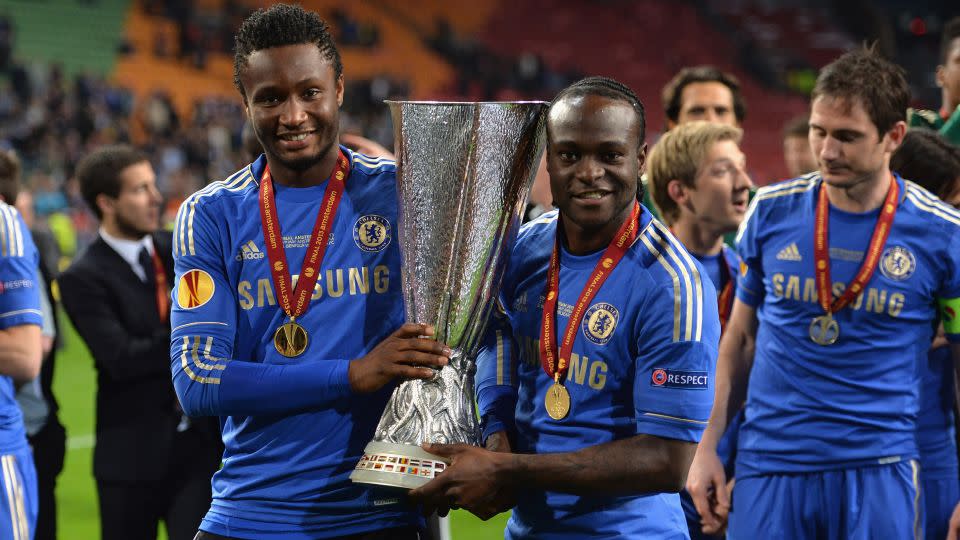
column 464, row 103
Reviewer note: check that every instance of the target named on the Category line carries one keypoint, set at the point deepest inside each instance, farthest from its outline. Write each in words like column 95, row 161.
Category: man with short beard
column 838, row 295
column 150, row 462
column 288, row 313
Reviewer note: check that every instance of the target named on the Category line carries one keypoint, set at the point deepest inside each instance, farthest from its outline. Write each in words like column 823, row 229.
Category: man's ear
column 104, row 203
column 678, row 191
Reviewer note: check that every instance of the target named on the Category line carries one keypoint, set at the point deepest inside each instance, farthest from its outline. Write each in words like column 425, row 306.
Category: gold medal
column 824, row 330
column 290, row 339
column 557, row 402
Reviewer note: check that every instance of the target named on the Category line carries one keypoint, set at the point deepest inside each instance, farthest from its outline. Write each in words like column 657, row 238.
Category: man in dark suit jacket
column 150, row 461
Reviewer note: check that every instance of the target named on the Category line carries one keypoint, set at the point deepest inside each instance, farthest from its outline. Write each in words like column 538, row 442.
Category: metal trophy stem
column 463, row 174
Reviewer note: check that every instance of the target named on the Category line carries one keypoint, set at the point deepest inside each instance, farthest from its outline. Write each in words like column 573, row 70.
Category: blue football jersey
column 936, row 430
column 19, row 305
column 812, row 407
column 642, row 363
column 292, row 428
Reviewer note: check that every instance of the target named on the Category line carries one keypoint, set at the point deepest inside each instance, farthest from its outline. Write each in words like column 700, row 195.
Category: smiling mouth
column 591, row 195
column 293, row 137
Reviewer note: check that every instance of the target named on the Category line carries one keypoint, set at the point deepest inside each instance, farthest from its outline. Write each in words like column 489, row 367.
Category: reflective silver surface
column 464, row 173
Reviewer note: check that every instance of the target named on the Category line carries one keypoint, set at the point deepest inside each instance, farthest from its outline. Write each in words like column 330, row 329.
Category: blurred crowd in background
column 53, row 116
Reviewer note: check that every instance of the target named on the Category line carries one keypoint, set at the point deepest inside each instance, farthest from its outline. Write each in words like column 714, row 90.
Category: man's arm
column 211, row 381
column 20, row 352
column 707, row 480
column 20, row 315
column 477, row 477
column 496, row 382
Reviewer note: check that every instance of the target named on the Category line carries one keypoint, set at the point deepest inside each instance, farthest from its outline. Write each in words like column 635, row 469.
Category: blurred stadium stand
column 78, row 73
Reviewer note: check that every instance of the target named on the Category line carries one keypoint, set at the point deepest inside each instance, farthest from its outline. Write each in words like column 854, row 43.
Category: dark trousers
column 133, row 511
column 49, row 447
column 397, row 533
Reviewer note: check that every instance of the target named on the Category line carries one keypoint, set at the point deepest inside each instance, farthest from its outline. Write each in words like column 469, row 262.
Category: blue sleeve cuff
column 249, row 388
column 498, row 406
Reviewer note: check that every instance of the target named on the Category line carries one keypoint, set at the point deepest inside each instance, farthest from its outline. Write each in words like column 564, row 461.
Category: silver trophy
column 463, row 174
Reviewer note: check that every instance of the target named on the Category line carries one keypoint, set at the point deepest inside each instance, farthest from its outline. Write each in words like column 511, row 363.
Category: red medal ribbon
column 163, row 294
column 725, row 298
column 556, row 367
column 296, row 304
column 821, row 249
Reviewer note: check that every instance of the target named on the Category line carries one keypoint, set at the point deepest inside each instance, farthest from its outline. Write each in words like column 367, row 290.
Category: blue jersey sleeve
column 208, row 378
column 19, row 282
column 673, row 388
column 496, row 376
column 950, row 294
column 750, row 288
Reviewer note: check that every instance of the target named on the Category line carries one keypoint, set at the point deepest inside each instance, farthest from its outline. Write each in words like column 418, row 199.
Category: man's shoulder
column 374, row 168
column 787, row 192
column 664, row 260
column 88, row 264
column 925, row 207
column 238, row 185
column 539, row 229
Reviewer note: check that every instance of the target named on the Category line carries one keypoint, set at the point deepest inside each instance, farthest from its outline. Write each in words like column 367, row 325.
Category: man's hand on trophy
column 475, row 480
column 406, row 353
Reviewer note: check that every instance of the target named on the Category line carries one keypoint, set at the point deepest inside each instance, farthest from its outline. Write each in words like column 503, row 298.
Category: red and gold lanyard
column 297, row 304
column 163, row 294
column 725, row 298
column 821, row 249
column 554, row 366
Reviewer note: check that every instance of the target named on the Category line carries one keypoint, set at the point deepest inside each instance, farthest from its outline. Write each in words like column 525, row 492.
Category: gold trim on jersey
column 917, row 526
column 697, row 280
column 677, row 418
column 926, row 201
column 804, row 183
column 372, row 162
column 193, row 350
column 11, row 236
column 14, row 491
column 692, row 294
column 183, row 243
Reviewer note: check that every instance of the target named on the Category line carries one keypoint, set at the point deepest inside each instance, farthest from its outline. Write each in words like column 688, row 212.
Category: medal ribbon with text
column 296, row 304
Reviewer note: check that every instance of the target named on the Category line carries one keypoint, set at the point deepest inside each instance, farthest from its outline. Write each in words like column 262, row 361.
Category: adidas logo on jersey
column 790, row 253
column 249, row 252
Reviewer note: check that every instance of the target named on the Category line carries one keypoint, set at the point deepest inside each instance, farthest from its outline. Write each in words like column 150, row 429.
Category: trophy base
column 404, row 466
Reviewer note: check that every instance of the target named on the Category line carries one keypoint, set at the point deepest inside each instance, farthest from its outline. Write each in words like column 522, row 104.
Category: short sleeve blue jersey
column 19, row 305
column 816, row 407
column 642, row 363
column 292, row 428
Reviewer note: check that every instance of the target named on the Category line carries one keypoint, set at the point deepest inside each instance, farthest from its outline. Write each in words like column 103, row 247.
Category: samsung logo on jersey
column 672, row 378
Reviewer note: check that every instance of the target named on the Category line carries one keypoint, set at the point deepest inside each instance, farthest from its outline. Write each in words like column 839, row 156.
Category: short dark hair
column 673, row 91
column 798, row 126
column 951, row 31
column 99, row 172
column 862, row 74
column 928, row 159
column 277, row 26
column 609, row 88
column 9, row 176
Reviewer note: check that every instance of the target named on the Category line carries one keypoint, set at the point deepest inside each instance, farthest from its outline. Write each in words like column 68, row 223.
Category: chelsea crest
column 897, row 263
column 599, row 323
column 371, row 233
